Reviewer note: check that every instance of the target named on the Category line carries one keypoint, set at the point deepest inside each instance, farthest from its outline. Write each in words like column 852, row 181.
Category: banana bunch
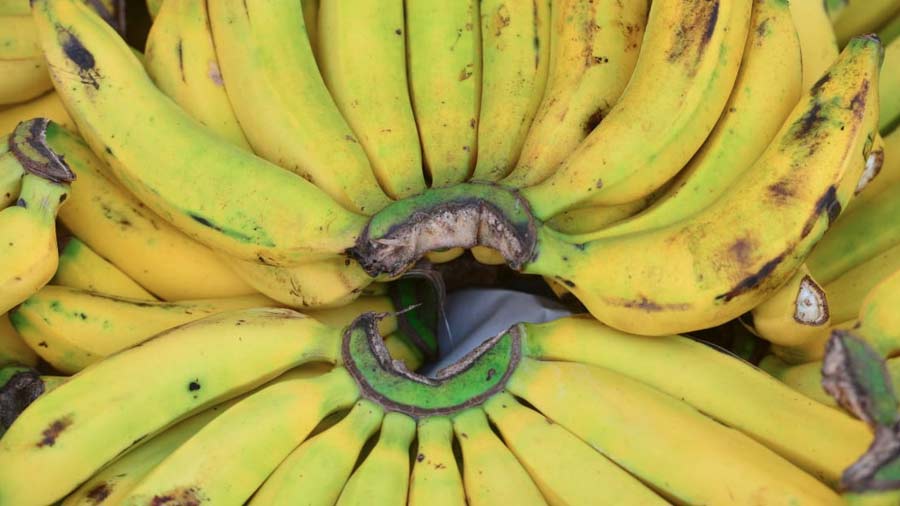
column 282, row 408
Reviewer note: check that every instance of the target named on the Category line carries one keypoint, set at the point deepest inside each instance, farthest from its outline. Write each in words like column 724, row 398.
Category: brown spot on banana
column 52, row 432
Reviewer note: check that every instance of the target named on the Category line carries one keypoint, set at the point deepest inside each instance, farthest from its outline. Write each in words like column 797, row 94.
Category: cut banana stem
column 24, row 71
column 796, row 313
column 81, row 267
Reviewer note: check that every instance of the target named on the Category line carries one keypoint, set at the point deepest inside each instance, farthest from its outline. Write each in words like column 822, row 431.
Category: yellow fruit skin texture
column 435, row 479
column 81, row 267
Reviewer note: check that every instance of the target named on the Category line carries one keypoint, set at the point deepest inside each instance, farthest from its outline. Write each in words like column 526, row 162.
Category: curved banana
column 565, row 469
column 47, row 106
column 594, row 47
column 81, row 267
column 435, row 479
column 269, row 66
column 444, row 62
column 153, row 7
column 362, row 42
column 317, row 470
column 879, row 320
column 694, row 47
column 797, row 312
column 15, row 8
column 120, row 228
column 813, row 347
column 817, row 41
column 67, row 435
column 663, row 441
column 72, row 328
column 889, row 84
column 383, row 477
column 847, row 292
column 719, row 385
column 181, row 59
column 589, row 219
column 491, row 473
column 863, row 16
column 22, row 66
column 886, row 175
column 13, row 350
column 259, row 431
column 311, row 23
column 28, row 228
column 11, row 173
column 515, row 55
column 107, row 92
column 890, row 30
column 765, row 91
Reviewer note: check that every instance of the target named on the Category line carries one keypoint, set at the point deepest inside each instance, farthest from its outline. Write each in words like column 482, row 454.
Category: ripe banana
column 28, row 228
column 585, row 220
column 846, row 292
column 515, row 51
column 81, row 267
column 47, row 106
column 863, row 16
column 13, row 349
column 812, row 348
column 72, row 328
column 316, row 471
column 107, row 92
column 120, row 228
column 22, row 66
column 694, row 47
column 765, row 91
column 268, row 64
column 153, row 7
column 444, row 61
column 363, row 58
column 311, row 23
column 888, row 173
column 890, row 96
column 383, row 477
column 890, row 30
column 879, row 321
column 817, row 41
column 181, row 60
column 798, row 312
column 67, row 435
column 435, row 480
column 594, row 47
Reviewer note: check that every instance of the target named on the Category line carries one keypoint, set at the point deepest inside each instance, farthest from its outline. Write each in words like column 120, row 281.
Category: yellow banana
column 694, row 47
column 765, row 91
column 311, row 23
column 181, row 60
column 258, row 431
column 863, row 16
column 847, row 292
column 81, row 267
column 718, row 385
column 268, row 63
column 879, row 320
column 444, row 61
column 15, row 8
column 487, row 256
column 64, row 437
column 11, row 172
column 362, row 42
column 890, row 81
column 153, row 7
column 47, row 106
column 120, row 228
column 807, row 378
column 315, row 473
column 13, row 350
column 383, row 477
column 28, row 228
column 435, row 479
column 594, row 47
column 663, row 441
column 585, row 220
column 23, row 68
column 813, row 347
column 887, row 174
column 890, row 30
column 798, row 312
column 491, row 473
column 515, row 50
column 567, row 470
column 254, row 218
column 72, row 328
column 817, row 41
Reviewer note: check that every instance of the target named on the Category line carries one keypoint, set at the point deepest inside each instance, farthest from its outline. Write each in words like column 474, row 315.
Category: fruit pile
column 226, row 252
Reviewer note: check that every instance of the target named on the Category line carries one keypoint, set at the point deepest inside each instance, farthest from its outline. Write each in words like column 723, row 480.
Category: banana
column 585, row 220
column 846, row 292
column 873, row 165
column 383, row 477
column 594, row 48
column 363, row 42
column 813, row 347
column 259, row 431
column 19, row 387
column 153, row 7
column 315, row 472
column 121, row 229
column 11, row 172
column 435, row 479
column 817, row 41
column 15, row 8
column 863, row 16
column 107, row 92
column 268, row 63
column 889, row 83
column 342, row 316
column 47, row 106
column 13, row 350
column 487, row 256
column 67, row 435
column 767, row 87
column 181, row 59
column 879, row 321
column 444, row 60
column 323, row 283
column 663, row 441
column 311, row 23
column 890, row 30
column 515, row 46
column 718, row 385
column 28, row 228
column 23, row 68
column 72, row 328
column 561, row 464
column 887, row 173
column 81, row 267
column 491, row 473
column 807, row 378
column 796, row 313
column 695, row 48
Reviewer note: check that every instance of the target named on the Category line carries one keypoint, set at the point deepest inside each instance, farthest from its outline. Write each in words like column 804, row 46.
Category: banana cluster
column 672, row 165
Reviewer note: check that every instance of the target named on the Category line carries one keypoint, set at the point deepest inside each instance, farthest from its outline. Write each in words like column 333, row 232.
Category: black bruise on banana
column 696, row 31
column 181, row 496
column 80, row 56
column 230, row 233
column 179, row 48
column 750, row 282
column 52, row 432
column 99, row 493
column 17, row 394
column 647, row 305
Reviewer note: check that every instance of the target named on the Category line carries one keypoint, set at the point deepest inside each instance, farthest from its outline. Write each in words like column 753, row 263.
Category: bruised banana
column 109, row 96
column 594, row 49
column 799, row 311
column 181, row 59
column 81, row 267
column 268, row 64
column 632, row 153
